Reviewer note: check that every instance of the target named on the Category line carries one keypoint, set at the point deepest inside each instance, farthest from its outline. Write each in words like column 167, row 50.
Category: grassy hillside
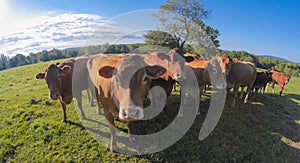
column 267, row 130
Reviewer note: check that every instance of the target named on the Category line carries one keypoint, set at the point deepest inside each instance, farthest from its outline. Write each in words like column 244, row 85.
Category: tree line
column 7, row 62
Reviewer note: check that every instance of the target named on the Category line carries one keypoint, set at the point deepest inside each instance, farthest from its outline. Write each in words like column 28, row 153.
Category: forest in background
column 54, row 54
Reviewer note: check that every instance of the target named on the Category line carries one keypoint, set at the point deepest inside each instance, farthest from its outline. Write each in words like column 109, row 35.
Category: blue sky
column 260, row 27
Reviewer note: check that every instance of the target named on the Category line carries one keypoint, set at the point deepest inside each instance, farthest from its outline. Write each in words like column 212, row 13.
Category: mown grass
column 31, row 130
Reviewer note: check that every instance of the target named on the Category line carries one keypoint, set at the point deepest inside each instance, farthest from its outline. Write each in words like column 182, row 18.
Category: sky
column 268, row 27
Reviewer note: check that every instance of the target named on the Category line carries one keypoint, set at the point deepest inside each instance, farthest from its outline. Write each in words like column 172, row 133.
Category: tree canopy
column 184, row 20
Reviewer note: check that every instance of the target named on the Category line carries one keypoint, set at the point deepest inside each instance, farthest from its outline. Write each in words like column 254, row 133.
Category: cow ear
column 106, row 71
column 163, row 56
column 154, row 72
column 189, row 58
column 65, row 70
column 40, row 76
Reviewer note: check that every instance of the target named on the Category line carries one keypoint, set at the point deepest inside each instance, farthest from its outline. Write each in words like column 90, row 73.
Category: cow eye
column 117, row 80
column 214, row 71
column 145, row 80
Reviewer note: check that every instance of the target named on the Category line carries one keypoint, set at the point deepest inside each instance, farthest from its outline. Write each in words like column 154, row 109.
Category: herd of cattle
column 121, row 83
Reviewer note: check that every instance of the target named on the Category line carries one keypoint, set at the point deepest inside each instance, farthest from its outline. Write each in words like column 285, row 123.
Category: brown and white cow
column 239, row 74
column 65, row 81
column 208, row 72
column 122, row 85
column 279, row 78
column 174, row 64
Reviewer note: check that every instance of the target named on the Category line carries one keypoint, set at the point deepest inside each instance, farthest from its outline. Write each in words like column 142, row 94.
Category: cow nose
column 124, row 113
column 180, row 76
column 221, row 86
column 54, row 96
column 132, row 113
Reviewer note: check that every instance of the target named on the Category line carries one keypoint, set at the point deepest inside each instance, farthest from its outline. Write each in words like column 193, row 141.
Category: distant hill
column 273, row 57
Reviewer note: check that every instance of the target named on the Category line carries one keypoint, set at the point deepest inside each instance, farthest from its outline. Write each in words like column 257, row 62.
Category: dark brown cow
column 239, row 74
column 262, row 78
column 65, row 81
column 122, row 86
column 279, row 78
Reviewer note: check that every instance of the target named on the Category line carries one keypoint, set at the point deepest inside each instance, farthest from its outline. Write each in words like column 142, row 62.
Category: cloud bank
column 65, row 31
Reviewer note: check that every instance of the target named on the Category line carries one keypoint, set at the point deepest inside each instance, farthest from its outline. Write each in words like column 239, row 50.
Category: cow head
column 224, row 62
column 176, row 64
column 129, row 83
column 269, row 75
column 287, row 79
column 53, row 76
column 218, row 79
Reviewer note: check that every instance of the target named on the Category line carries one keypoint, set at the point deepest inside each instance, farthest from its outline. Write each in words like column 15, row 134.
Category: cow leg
column 112, row 129
column 204, row 88
column 267, row 86
column 63, row 105
column 242, row 93
column 255, row 93
column 273, row 90
column 129, row 126
column 90, row 96
column 247, row 94
column 79, row 103
column 98, row 101
column 235, row 91
column 281, row 89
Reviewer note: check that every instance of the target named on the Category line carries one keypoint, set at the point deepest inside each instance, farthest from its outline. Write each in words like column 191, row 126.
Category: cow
column 239, row 74
column 207, row 72
column 278, row 78
column 122, row 86
column 262, row 78
column 67, row 80
column 175, row 65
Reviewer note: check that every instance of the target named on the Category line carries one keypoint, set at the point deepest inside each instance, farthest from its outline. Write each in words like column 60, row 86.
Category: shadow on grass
column 262, row 131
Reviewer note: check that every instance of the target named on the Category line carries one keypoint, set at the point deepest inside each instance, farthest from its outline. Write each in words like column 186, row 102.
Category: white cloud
column 63, row 31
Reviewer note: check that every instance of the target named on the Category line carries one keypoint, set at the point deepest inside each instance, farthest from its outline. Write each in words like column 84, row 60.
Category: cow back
column 242, row 73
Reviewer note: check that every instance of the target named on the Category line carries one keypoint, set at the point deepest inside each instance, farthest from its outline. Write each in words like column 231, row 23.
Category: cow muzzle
column 131, row 114
column 54, row 96
column 221, row 86
column 180, row 76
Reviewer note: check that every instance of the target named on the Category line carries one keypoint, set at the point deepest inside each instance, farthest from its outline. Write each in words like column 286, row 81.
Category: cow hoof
column 64, row 121
column 83, row 118
column 113, row 149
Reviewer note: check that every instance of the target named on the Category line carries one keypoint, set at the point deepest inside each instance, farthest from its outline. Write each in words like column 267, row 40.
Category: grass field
column 31, row 130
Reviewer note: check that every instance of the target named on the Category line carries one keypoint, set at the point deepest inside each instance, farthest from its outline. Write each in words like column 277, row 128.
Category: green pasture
column 265, row 130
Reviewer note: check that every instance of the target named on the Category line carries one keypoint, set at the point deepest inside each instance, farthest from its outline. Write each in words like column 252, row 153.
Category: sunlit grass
column 31, row 130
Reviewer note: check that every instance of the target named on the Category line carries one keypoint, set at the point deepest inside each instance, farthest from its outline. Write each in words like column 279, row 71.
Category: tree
column 3, row 62
column 184, row 19
column 44, row 56
column 20, row 59
column 160, row 38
